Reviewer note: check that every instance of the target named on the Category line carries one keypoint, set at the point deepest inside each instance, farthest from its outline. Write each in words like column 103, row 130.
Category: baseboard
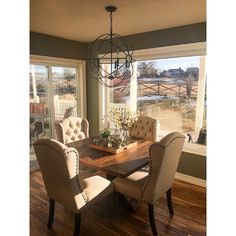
column 191, row 179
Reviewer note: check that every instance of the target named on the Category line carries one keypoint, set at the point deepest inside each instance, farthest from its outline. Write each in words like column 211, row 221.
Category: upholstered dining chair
column 72, row 129
column 64, row 183
column 148, row 185
column 145, row 127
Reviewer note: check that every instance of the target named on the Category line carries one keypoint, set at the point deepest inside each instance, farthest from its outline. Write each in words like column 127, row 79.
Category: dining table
column 114, row 165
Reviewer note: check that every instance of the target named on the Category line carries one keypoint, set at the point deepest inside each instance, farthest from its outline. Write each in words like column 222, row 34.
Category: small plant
column 105, row 133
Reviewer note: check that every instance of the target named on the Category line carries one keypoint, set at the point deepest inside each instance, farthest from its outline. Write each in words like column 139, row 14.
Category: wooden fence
column 178, row 89
column 161, row 88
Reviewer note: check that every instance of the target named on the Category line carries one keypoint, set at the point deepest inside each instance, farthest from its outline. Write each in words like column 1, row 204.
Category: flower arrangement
column 123, row 119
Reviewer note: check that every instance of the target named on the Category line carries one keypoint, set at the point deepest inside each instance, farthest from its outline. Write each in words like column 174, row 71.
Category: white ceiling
column 84, row 20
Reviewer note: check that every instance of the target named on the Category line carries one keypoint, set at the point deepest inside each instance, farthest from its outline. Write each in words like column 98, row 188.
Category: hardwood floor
column 109, row 217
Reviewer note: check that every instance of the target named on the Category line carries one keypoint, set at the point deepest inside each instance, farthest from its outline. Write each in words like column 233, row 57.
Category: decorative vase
column 105, row 141
column 125, row 135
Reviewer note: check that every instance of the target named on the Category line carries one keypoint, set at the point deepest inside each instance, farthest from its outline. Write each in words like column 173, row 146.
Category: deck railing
column 64, row 108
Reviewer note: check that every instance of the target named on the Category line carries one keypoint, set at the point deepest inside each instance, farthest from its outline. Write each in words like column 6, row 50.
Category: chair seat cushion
column 132, row 185
column 96, row 187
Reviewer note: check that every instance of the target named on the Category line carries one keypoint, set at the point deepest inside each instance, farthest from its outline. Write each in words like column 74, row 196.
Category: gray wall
column 167, row 37
column 193, row 165
column 41, row 44
column 45, row 45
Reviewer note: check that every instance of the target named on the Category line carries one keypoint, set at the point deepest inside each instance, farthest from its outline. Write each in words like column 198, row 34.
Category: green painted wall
column 92, row 100
column 45, row 45
column 167, row 37
column 193, row 165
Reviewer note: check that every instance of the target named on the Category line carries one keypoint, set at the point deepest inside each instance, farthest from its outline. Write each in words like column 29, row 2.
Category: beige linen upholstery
column 63, row 181
column 145, row 127
column 72, row 129
column 147, row 185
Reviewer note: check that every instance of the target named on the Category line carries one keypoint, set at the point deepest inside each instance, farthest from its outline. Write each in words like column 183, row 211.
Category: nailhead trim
column 128, row 195
column 77, row 178
column 135, row 198
column 151, row 164
column 150, row 169
column 80, row 188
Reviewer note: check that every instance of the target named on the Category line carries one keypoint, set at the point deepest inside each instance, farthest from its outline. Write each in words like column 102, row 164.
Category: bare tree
column 147, row 70
column 189, row 84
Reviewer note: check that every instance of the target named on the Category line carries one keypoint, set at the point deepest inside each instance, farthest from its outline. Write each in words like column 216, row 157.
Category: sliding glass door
column 39, row 104
column 64, row 81
column 55, row 93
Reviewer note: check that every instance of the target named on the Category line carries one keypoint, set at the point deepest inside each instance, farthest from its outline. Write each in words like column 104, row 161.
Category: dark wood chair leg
column 51, row 212
column 77, row 224
column 169, row 202
column 152, row 219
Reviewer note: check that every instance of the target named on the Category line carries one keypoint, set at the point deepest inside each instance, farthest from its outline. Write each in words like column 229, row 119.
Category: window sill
column 192, row 148
column 195, row 148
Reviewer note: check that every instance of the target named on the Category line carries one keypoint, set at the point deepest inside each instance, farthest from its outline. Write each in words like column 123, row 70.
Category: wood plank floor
column 110, row 218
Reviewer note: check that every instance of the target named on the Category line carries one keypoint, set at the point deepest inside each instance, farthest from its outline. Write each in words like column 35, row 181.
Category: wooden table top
column 120, row 165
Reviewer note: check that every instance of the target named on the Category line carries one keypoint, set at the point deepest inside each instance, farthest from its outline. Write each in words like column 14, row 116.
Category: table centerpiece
column 123, row 120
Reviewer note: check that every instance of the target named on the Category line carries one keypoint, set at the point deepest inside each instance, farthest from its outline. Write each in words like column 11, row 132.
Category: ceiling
column 85, row 20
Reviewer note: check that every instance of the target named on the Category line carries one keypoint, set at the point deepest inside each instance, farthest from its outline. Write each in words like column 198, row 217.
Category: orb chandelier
column 110, row 57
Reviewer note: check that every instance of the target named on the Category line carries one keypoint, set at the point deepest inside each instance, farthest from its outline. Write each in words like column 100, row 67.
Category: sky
column 161, row 64
column 55, row 69
column 175, row 63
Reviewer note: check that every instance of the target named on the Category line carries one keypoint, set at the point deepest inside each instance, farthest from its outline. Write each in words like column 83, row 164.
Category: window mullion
column 200, row 96
column 51, row 101
column 133, row 89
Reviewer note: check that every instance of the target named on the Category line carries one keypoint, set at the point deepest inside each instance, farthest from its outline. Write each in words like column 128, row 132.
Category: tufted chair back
column 145, row 127
column 72, row 129
column 60, row 170
column 164, row 159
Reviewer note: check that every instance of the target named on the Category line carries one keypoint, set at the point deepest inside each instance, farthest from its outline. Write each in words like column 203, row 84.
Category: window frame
column 80, row 82
column 80, row 64
column 182, row 50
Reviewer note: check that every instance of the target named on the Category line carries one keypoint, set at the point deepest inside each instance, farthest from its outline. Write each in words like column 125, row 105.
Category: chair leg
column 152, row 219
column 169, row 201
column 77, row 224
column 51, row 212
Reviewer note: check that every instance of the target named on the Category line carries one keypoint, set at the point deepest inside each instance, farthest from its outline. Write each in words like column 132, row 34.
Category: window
column 168, row 84
column 56, row 90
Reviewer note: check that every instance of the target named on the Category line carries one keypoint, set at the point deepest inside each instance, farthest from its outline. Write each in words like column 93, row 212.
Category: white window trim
column 68, row 62
column 105, row 99
column 200, row 96
column 181, row 50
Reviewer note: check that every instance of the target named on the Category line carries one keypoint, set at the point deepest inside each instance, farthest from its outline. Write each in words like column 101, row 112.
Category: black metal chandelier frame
column 121, row 67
